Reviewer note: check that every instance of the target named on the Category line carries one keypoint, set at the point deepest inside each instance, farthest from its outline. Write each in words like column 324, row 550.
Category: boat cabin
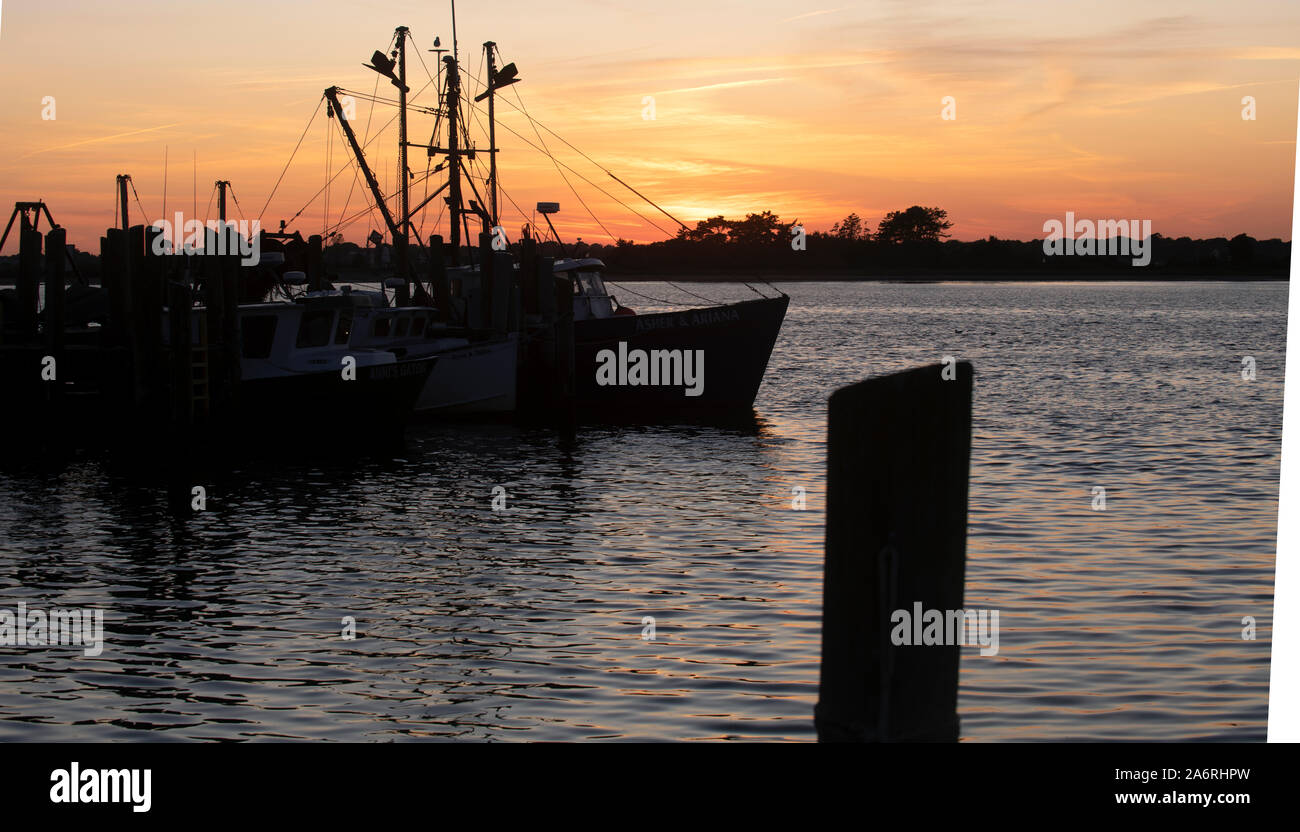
column 590, row 297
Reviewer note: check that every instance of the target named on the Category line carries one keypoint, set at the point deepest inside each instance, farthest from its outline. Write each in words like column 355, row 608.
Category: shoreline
column 614, row 277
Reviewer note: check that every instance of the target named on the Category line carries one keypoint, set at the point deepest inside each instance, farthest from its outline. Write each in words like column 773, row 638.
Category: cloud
column 99, row 139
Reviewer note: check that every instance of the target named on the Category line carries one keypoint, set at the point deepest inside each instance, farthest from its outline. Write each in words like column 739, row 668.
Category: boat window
column 417, row 325
column 258, row 333
column 591, row 284
column 314, row 331
column 403, row 324
column 344, row 331
column 382, row 325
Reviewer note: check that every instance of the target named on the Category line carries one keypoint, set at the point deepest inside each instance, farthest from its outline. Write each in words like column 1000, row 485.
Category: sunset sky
column 812, row 111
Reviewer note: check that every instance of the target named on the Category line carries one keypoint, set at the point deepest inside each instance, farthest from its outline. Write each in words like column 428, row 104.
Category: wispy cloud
column 811, row 14
column 99, row 139
column 724, row 85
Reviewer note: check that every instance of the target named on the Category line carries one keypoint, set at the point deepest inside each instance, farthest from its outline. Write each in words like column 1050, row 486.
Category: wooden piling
column 145, row 271
column 503, row 279
column 226, row 394
column 316, row 264
column 29, row 279
column 439, row 285
column 563, row 405
column 55, row 257
column 111, row 247
column 544, row 274
column 486, row 283
column 898, row 461
column 208, row 369
column 180, row 357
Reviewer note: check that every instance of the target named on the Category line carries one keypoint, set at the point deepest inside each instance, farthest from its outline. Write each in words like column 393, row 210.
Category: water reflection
column 527, row 623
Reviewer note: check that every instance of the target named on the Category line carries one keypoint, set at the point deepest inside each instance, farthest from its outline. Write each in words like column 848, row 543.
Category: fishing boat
column 482, row 302
column 299, row 367
column 694, row 363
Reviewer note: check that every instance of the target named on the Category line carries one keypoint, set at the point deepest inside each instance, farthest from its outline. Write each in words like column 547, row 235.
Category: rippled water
column 528, row 623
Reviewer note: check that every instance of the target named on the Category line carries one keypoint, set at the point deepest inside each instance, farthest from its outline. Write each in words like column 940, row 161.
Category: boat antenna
column 403, row 264
column 454, row 47
column 496, row 79
column 451, row 99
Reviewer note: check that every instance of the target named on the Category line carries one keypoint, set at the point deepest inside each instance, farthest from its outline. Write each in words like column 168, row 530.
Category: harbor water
column 659, row 583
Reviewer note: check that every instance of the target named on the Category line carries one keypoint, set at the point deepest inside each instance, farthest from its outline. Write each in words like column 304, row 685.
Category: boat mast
column 452, row 103
column 222, row 185
column 122, row 179
column 507, row 75
column 402, row 239
column 490, row 48
column 332, row 94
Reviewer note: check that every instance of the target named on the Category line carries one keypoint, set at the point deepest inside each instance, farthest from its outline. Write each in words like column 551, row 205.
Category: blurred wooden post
column 316, row 263
column 898, row 465
column 29, row 280
column 485, row 281
column 210, row 347
column 439, row 285
column 56, row 254
column 146, row 271
column 180, row 321
column 113, row 282
column 226, row 395
column 564, row 387
column 503, row 279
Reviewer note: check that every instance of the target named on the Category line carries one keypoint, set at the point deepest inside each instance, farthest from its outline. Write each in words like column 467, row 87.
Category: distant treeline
column 910, row 244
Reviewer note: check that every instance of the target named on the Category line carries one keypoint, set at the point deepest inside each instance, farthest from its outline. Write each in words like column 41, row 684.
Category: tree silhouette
column 714, row 228
column 757, row 229
column 850, row 228
column 916, row 224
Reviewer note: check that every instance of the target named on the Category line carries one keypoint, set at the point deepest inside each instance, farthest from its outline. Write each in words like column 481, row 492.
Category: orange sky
column 1106, row 109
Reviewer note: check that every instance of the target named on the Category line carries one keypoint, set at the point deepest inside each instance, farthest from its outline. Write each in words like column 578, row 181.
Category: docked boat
column 488, row 306
column 385, row 345
column 692, row 363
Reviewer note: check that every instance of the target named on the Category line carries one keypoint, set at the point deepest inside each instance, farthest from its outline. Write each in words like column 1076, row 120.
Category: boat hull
column 475, row 379
column 735, row 341
column 381, row 395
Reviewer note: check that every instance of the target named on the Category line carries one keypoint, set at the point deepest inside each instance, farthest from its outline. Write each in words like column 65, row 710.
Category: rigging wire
column 562, row 176
column 238, row 207
column 290, row 162
column 579, row 174
column 329, row 163
column 139, row 204
column 356, row 169
column 606, row 170
column 647, row 297
column 342, row 169
column 438, row 112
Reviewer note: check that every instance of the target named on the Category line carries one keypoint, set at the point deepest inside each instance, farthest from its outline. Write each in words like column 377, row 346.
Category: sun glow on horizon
column 812, row 115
